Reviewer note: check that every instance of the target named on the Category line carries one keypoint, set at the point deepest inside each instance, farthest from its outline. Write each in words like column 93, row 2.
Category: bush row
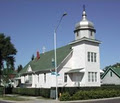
column 91, row 94
column 1, row 90
column 32, row 91
column 67, row 92
column 73, row 90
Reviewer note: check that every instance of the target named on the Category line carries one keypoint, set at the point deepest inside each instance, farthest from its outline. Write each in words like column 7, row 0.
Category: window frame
column 88, row 56
column 95, row 57
column 89, row 79
column 44, row 77
column 65, row 77
column 111, row 74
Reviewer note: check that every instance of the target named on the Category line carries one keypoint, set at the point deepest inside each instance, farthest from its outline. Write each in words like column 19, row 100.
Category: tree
column 19, row 68
column 7, row 52
column 32, row 58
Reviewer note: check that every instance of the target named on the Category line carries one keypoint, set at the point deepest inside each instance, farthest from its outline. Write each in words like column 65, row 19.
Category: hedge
column 102, row 92
column 32, row 91
column 72, row 93
column 73, row 90
column 1, row 90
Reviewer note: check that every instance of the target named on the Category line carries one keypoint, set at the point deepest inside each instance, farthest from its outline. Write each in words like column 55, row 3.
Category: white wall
column 22, row 79
column 78, row 58
column 84, row 33
column 92, row 66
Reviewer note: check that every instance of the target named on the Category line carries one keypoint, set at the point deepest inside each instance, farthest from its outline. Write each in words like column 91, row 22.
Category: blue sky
column 31, row 23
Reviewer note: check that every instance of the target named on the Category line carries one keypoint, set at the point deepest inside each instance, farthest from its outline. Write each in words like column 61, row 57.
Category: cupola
column 84, row 28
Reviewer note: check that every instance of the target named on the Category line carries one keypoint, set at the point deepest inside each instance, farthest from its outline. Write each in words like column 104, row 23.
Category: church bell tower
column 86, row 54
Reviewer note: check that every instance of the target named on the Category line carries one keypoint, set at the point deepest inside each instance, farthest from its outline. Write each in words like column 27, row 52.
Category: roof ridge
column 56, row 49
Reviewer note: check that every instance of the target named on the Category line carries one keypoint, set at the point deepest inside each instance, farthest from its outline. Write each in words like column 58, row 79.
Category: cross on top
column 83, row 7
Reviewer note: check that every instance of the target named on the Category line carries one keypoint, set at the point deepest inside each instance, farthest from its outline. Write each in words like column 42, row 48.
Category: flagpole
column 55, row 42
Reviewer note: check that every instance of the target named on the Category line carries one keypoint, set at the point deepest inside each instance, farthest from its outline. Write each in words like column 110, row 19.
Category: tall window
column 92, row 57
column 111, row 73
column 44, row 77
column 38, row 78
column 77, row 34
column 91, row 33
column 30, row 78
column 65, row 77
column 95, row 57
column 88, row 76
column 95, row 76
column 88, row 56
column 92, row 76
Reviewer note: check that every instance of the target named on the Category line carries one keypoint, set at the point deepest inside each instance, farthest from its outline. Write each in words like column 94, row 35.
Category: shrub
column 91, row 94
column 1, row 90
column 8, row 90
column 65, row 97
column 45, row 92
column 26, row 91
column 95, row 94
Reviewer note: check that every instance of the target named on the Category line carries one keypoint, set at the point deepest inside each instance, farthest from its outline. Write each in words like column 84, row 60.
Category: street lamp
column 55, row 53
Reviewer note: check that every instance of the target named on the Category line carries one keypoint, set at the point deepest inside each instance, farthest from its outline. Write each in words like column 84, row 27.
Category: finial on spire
column 84, row 13
column 83, row 7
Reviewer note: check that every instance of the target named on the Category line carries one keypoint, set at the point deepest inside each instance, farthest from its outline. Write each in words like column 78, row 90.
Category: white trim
column 64, row 59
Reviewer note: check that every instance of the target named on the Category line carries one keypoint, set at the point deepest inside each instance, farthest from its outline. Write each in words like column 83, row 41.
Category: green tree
column 19, row 68
column 33, row 57
column 7, row 52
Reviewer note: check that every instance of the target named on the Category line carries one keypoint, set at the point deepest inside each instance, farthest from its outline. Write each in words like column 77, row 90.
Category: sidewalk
column 32, row 99
column 36, row 100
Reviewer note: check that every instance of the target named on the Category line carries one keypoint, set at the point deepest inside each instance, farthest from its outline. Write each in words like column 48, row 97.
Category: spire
column 84, row 14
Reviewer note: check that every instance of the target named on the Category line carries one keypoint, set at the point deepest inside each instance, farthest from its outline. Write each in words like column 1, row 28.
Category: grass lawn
column 13, row 98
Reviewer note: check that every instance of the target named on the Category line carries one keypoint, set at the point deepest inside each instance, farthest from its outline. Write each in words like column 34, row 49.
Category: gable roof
column 114, row 70
column 45, row 61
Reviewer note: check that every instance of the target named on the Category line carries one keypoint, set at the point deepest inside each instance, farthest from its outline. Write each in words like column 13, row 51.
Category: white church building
column 78, row 63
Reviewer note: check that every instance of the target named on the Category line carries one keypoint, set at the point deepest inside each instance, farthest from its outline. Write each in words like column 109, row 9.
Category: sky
column 31, row 24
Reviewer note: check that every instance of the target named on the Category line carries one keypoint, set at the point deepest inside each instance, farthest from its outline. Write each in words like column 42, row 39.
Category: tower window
column 92, row 76
column 95, row 76
column 92, row 57
column 91, row 34
column 89, row 76
column 88, row 56
column 77, row 34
